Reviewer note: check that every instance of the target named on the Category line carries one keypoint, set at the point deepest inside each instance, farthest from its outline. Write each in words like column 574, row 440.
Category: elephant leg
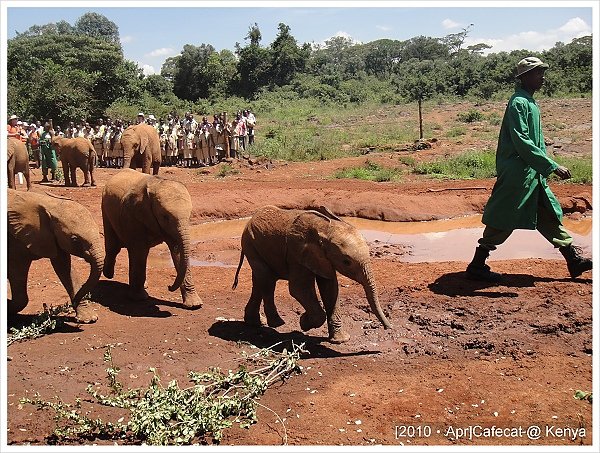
column 273, row 318
column 73, row 169
column 328, row 288
column 261, row 277
column 18, row 270
column 66, row 172
column 189, row 295
column 27, row 174
column 302, row 288
column 86, row 175
column 93, row 180
column 112, row 246
column 62, row 266
column 138, row 259
column 11, row 176
column 146, row 165
column 155, row 167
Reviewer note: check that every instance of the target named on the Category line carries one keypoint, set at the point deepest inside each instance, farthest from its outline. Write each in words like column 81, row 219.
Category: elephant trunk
column 371, row 292
column 181, row 249
column 96, row 261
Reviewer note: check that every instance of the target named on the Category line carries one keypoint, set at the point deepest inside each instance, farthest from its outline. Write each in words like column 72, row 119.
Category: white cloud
column 575, row 26
column 383, row 27
column 536, row 40
column 125, row 39
column 449, row 23
column 163, row 51
column 147, row 69
column 342, row 34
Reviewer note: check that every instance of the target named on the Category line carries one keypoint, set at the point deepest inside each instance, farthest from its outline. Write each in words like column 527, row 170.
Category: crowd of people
column 184, row 141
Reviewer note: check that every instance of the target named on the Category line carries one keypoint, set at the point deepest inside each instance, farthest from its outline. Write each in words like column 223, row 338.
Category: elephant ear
column 306, row 243
column 137, row 204
column 31, row 224
column 327, row 213
column 143, row 140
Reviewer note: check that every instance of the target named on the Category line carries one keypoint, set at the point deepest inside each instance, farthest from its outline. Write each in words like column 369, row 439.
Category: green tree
column 169, row 67
column 221, row 69
column 287, row 58
column 254, row 65
column 455, row 41
column 158, row 86
column 191, row 79
column 98, row 26
column 381, row 56
column 69, row 67
column 424, row 48
column 417, row 80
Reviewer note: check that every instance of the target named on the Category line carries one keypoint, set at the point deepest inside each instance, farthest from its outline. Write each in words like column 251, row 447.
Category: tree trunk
column 420, row 121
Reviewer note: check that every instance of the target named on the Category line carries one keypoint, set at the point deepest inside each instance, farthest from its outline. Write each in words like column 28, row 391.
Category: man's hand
column 562, row 172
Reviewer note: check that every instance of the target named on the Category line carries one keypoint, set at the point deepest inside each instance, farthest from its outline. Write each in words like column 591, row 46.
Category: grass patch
column 494, row 119
column 581, row 169
column 370, row 171
column 470, row 116
column 469, row 165
column 306, row 130
column 457, row 131
column 407, row 160
column 226, row 170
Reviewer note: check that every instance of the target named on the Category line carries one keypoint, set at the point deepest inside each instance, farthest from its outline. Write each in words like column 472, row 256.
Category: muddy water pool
column 438, row 240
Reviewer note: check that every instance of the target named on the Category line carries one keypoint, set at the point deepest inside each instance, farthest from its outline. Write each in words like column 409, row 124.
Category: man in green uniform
column 48, row 154
column 521, row 198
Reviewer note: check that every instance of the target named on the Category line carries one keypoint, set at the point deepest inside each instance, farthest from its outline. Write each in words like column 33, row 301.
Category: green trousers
column 48, row 161
column 547, row 224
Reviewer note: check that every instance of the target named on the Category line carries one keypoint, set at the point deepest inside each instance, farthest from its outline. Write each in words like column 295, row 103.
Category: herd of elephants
column 141, row 210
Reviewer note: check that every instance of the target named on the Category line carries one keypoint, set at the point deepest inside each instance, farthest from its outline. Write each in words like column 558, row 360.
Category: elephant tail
column 237, row 273
column 92, row 155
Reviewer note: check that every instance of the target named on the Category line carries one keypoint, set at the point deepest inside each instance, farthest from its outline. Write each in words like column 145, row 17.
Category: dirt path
column 462, row 354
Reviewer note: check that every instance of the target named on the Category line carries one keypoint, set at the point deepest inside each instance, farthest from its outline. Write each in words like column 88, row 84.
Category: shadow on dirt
column 265, row 337
column 113, row 295
column 459, row 284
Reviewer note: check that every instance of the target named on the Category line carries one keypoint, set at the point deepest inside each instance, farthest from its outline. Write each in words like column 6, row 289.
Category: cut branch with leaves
column 171, row 415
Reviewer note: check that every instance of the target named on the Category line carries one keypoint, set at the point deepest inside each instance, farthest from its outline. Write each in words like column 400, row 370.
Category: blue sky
column 151, row 32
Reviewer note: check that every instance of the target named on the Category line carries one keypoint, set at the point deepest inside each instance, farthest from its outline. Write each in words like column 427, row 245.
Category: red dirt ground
column 461, row 354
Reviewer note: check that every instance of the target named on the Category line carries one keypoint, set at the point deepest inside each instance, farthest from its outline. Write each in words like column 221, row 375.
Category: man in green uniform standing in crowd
column 47, row 151
column 521, row 198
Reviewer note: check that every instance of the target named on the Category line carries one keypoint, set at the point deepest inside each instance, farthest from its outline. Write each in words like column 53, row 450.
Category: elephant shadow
column 267, row 337
column 459, row 284
column 114, row 296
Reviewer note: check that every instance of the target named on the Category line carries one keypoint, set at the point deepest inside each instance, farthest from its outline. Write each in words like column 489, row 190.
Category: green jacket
column 522, row 167
column 46, row 141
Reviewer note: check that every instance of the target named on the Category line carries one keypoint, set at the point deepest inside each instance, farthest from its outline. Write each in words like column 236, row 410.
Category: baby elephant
column 43, row 226
column 76, row 153
column 18, row 162
column 139, row 212
column 303, row 247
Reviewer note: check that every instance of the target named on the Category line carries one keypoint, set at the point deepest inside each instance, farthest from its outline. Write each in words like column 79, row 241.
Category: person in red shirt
column 14, row 131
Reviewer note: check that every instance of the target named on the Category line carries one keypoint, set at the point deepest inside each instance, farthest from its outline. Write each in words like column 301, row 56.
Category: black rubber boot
column 478, row 270
column 576, row 263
